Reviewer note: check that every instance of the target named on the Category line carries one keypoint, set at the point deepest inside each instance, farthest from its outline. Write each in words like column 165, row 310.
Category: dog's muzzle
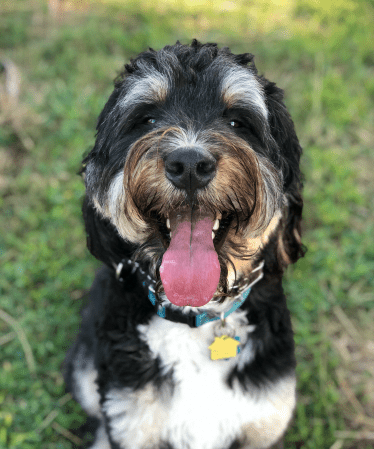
column 190, row 269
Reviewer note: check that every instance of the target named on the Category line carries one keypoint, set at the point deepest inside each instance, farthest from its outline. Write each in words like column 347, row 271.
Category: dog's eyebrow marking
column 239, row 87
column 152, row 87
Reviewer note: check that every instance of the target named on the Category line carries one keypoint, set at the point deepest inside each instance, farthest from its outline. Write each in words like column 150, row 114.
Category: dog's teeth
column 168, row 223
column 213, row 235
column 216, row 225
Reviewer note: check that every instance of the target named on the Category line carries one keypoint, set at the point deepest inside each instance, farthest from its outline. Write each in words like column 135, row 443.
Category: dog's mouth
column 219, row 231
column 190, row 269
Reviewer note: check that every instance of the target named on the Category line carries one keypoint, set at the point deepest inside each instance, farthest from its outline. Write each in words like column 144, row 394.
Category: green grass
column 323, row 57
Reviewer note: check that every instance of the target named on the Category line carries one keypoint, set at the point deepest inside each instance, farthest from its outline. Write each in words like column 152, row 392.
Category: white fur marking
column 241, row 86
column 152, row 87
column 135, row 416
column 85, row 387
column 184, row 138
column 203, row 412
column 115, row 196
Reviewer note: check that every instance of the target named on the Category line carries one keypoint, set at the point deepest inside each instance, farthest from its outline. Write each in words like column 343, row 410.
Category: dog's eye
column 235, row 124
column 151, row 120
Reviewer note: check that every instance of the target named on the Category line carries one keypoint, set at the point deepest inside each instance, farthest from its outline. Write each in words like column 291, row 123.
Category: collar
column 192, row 319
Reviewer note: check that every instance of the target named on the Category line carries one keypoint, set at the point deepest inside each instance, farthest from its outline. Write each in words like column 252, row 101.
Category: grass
column 321, row 54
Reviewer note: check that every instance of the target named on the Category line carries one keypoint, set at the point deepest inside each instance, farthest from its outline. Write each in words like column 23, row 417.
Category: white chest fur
column 202, row 412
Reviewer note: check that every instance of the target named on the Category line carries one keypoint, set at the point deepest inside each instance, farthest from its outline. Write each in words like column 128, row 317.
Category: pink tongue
column 190, row 269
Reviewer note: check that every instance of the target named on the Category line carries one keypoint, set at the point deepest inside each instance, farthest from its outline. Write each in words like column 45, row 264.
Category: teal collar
column 174, row 314
column 202, row 318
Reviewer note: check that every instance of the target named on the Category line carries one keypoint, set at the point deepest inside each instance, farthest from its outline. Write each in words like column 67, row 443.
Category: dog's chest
column 202, row 405
column 200, row 410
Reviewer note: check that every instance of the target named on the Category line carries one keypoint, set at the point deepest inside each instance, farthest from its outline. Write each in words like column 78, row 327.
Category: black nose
column 190, row 168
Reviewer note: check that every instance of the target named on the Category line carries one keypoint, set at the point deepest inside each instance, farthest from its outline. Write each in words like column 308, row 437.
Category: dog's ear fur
column 282, row 129
column 103, row 240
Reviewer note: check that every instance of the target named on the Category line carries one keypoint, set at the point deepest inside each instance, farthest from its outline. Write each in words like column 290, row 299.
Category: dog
column 193, row 204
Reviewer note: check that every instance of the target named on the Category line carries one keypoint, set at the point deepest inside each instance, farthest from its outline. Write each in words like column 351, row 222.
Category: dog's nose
column 190, row 168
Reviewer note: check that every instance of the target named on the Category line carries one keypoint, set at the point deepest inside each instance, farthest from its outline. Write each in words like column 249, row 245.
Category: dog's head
column 196, row 165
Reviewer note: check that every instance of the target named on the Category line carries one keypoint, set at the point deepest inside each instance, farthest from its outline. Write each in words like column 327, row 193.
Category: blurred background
column 57, row 63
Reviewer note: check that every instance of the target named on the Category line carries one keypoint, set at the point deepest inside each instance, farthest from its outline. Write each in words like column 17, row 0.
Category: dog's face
column 196, row 162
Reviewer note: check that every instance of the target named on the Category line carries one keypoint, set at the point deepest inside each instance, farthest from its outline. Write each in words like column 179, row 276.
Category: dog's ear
column 290, row 247
column 103, row 240
column 282, row 129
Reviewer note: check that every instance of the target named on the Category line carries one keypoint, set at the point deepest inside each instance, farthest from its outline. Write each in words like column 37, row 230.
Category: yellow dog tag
column 223, row 347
